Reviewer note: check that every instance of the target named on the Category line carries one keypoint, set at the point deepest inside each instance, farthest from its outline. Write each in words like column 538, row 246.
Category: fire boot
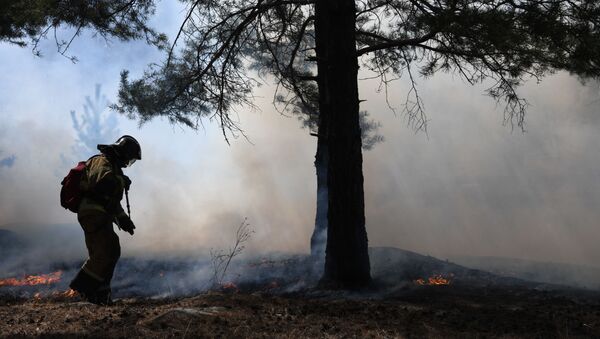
column 102, row 296
column 85, row 285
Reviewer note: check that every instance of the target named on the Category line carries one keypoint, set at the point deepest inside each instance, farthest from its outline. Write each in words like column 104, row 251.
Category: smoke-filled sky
column 471, row 186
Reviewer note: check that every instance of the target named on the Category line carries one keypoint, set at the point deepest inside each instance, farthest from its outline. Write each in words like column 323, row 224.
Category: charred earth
column 412, row 296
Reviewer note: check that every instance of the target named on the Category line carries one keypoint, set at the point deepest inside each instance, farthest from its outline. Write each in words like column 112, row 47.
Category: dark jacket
column 103, row 184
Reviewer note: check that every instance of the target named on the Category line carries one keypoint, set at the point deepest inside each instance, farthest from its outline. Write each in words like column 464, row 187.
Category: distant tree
column 312, row 49
column 8, row 161
column 96, row 125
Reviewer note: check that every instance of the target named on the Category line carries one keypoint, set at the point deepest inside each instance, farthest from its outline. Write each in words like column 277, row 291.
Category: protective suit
column 103, row 185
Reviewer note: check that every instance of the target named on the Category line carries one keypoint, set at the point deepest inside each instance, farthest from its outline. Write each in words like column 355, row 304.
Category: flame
column 42, row 279
column 437, row 279
column 66, row 294
column 229, row 286
column 31, row 280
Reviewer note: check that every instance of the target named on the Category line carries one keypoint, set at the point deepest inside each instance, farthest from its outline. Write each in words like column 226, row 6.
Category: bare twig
column 221, row 260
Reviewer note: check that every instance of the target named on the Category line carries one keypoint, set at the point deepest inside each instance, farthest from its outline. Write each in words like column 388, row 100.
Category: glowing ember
column 31, row 280
column 55, row 295
column 434, row 280
column 67, row 294
column 229, row 286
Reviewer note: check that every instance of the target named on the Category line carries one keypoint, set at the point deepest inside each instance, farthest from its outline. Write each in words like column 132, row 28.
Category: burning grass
column 55, row 295
column 435, row 280
column 37, row 287
column 33, row 280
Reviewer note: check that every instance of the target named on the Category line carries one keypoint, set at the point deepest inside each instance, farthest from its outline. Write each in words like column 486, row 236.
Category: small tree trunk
column 319, row 236
column 347, row 258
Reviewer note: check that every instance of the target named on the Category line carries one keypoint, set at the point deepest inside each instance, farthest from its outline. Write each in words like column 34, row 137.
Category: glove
column 125, row 224
column 126, row 182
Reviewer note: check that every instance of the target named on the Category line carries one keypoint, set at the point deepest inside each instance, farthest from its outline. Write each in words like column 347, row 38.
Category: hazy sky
column 470, row 187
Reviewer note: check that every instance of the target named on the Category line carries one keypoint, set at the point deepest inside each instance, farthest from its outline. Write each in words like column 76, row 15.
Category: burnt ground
column 415, row 312
column 274, row 297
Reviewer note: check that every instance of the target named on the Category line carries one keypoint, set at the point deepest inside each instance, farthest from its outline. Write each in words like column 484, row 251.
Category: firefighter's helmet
column 128, row 150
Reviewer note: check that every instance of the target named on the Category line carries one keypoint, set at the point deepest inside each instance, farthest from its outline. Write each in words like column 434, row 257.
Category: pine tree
column 312, row 49
column 96, row 125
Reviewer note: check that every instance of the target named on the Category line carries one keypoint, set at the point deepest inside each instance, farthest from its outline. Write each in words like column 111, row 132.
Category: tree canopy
column 505, row 41
column 24, row 22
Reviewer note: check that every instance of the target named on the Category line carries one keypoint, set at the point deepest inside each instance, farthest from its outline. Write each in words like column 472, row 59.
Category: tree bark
column 347, row 258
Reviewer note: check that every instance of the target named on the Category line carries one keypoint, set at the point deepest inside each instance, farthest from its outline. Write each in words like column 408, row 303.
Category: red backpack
column 70, row 193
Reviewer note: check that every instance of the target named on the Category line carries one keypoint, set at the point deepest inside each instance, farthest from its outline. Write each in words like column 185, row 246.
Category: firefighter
column 103, row 185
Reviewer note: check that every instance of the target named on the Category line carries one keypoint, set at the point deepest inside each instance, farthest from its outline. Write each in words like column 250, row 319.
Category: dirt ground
column 421, row 312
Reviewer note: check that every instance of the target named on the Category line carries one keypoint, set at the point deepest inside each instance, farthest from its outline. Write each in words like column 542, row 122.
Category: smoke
column 29, row 191
column 473, row 186
column 196, row 201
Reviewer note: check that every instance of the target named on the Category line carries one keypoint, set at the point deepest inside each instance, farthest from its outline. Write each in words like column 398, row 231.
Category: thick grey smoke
column 473, row 186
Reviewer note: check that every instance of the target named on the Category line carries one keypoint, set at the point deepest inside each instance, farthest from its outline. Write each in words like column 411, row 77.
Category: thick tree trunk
column 347, row 258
